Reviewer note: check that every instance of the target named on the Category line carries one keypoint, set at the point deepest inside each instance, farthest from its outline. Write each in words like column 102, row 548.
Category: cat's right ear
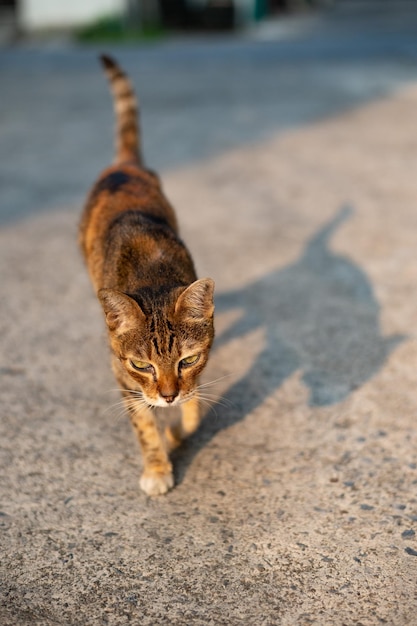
column 196, row 301
column 121, row 311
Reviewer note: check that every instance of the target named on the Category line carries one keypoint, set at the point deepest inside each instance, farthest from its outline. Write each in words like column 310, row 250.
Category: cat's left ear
column 121, row 311
column 196, row 301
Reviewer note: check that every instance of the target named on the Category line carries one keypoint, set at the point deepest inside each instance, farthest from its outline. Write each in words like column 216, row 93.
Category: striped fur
column 126, row 110
column 159, row 316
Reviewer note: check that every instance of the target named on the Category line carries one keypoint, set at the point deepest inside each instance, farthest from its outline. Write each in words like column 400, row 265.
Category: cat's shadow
column 319, row 315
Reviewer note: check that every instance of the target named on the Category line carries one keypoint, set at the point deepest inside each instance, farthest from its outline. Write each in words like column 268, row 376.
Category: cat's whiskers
column 202, row 391
column 113, row 406
column 210, row 383
column 208, row 403
column 117, row 415
column 207, row 398
column 213, row 399
column 136, row 403
column 133, row 399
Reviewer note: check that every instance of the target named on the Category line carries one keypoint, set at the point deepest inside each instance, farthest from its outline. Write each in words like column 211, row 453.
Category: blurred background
column 211, row 74
column 135, row 18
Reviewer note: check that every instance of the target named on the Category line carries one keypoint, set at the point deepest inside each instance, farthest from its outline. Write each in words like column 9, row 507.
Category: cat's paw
column 154, row 484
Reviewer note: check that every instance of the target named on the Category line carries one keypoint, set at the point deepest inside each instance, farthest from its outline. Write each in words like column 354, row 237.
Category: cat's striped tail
column 126, row 110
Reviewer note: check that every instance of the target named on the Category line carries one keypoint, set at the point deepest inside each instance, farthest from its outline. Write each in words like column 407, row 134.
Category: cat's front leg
column 187, row 425
column 157, row 477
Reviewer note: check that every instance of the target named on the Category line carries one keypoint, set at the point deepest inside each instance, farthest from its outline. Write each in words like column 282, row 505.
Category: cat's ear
column 196, row 301
column 121, row 311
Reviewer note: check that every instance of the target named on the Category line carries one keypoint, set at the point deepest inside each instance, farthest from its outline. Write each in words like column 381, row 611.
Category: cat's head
column 161, row 339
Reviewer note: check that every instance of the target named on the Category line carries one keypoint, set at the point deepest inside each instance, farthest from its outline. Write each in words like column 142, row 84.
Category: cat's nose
column 169, row 398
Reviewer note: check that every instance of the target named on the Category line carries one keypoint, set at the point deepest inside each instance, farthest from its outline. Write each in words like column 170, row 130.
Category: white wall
column 49, row 13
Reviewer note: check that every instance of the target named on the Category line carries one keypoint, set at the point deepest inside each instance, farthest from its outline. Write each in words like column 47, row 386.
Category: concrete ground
column 292, row 164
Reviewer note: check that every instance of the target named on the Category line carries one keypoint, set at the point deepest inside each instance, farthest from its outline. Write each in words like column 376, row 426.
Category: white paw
column 156, row 484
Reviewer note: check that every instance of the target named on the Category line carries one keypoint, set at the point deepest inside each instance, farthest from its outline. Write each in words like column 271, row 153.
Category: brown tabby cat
column 159, row 316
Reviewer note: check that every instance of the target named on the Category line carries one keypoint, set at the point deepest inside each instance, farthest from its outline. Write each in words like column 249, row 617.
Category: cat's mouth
column 165, row 402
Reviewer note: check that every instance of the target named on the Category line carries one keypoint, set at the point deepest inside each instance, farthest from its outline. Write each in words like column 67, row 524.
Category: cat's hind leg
column 157, row 477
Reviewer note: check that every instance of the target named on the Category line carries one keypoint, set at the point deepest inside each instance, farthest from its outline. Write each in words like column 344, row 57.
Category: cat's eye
column 189, row 360
column 141, row 366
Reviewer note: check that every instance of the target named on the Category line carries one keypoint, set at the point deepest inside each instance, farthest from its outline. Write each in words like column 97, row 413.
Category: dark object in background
column 278, row 5
column 213, row 15
column 9, row 20
column 219, row 15
column 174, row 13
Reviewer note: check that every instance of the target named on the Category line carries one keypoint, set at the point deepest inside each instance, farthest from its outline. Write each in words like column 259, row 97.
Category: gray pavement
column 291, row 160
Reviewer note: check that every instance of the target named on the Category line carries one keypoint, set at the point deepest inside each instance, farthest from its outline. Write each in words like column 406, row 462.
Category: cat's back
column 128, row 231
column 120, row 192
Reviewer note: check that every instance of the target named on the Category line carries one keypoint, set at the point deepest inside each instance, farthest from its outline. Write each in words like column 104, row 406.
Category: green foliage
column 114, row 29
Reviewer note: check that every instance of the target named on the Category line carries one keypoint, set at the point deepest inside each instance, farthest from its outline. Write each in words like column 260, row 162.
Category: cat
column 159, row 316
